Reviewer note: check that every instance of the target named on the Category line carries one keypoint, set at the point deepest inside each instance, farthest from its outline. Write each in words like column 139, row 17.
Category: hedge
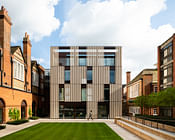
column 33, row 118
column 2, row 127
column 17, row 122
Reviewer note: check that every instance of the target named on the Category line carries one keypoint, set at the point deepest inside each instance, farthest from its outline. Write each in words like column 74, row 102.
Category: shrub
column 14, row 114
column 17, row 122
column 30, row 112
column 33, row 118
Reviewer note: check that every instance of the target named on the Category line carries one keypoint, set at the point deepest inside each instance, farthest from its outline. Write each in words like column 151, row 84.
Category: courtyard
column 65, row 131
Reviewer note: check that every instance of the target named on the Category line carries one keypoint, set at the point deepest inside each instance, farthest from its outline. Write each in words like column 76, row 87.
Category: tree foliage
column 164, row 98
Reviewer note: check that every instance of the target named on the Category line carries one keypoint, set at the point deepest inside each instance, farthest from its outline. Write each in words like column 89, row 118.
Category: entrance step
column 143, row 131
column 139, row 132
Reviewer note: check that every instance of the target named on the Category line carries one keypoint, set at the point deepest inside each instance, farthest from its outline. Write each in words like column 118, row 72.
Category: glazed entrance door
column 103, row 110
column 1, row 115
column 72, row 110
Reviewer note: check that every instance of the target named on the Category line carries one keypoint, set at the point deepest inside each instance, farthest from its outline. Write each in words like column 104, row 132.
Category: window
column 89, row 74
column 106, row 93
column 155, row 111
column 112, row 75
column 61, row 92
column 165, row 72
column 109, row 59
column 155, row 89
column 35, row 78
column 82, row 61
column 18, row 70
column 83, row 92
column 64, row 56
column 82, row 56
column 67, row 75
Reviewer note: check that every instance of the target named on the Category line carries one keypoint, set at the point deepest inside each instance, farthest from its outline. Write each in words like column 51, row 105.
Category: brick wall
column 13, row 99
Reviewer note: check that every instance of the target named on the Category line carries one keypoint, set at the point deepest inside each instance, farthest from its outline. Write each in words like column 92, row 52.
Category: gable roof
column 14, row 48
column 143, row 72
column 33, row 62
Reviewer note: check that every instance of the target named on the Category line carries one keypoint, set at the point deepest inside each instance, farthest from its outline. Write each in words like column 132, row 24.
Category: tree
column 141, row 101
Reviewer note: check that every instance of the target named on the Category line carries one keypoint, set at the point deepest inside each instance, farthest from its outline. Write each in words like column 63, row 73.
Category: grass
column 65, row 131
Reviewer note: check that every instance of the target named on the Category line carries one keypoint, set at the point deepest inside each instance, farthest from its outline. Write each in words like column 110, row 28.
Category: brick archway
column 23, row 109
column 2, row 110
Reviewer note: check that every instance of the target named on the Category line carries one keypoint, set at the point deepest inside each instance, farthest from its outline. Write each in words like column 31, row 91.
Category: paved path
column 119, row 130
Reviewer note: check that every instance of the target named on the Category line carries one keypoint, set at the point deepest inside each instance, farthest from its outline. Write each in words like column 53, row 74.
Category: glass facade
column 67, row 76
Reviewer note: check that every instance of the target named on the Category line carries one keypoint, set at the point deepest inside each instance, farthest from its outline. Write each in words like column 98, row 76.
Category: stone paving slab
column 126, row 135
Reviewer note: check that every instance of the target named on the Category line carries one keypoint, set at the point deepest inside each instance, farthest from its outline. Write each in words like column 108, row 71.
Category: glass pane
column 112, row 76
column 82, row 61
column 83, row 94
column 89, row 75
column 61, row 94
column 109, row 61
column 67, row 75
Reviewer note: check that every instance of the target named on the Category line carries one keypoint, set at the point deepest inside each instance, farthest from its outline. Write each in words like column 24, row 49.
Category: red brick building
column 166, row 70
column 143, row 84
column 16, row 85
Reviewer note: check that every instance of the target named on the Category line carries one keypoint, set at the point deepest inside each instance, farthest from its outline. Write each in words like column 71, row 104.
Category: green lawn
column 65, row 131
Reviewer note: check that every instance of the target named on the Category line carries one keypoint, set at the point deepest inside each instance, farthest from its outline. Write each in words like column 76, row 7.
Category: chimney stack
column 5, row 40
column 27, row 57
column 128, row 77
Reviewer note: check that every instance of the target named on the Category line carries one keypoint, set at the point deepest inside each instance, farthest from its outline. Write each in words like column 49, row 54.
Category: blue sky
column 69, row 10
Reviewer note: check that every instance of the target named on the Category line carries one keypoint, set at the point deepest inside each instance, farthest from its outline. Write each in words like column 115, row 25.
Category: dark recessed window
column 89, row 74
column 106, row 92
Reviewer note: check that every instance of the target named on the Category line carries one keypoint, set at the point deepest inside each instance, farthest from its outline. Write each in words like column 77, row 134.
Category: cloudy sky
column 139, row 26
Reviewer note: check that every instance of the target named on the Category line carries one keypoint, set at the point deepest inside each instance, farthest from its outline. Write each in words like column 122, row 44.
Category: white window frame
column 18, row 70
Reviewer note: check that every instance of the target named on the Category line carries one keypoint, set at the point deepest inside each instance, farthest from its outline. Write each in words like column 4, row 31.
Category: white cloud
column 33, row 16
column 41, row 61
column 115, row 22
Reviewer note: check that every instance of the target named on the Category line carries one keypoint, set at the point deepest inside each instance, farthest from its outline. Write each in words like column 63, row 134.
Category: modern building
column 166, row 70
column 15, row 73
column 85, row 79
column 143, row 84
